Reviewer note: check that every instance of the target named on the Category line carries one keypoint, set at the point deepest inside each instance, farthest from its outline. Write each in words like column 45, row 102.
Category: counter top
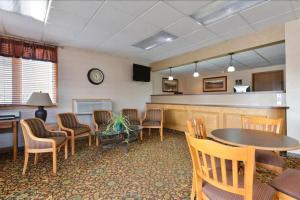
column 221, row 93
column 224, row 105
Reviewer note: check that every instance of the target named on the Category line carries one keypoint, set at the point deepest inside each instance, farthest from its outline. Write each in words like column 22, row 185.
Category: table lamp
column 40, row 99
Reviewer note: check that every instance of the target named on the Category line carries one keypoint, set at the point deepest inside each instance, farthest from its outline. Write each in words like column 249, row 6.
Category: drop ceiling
column 261, row 57
column 113, row 26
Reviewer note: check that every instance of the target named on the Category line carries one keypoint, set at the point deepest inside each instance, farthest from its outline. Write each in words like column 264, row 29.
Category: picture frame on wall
column 215, row 84
column 169, row 86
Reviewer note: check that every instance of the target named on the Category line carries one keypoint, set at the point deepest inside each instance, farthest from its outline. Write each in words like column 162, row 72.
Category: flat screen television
column 141, row 73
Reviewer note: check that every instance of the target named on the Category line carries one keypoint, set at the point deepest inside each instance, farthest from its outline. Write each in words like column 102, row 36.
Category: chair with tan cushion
column 101, row 119
column 132, row 116
column 38, row 139
column 153, row 119
column 223, row 183
column 69, row 123
column 287, row 185
column 266, row 159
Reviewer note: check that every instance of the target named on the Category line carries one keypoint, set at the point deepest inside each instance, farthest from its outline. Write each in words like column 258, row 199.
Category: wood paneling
column 214, row 117
column 268, row 81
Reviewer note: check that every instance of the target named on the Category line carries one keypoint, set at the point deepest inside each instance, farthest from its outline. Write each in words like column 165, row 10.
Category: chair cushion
column 269, row 157
column 134, row 122
column 288, row 182
column 151, row 123
column 81, row 130
column 261, row 191
column 59, row 140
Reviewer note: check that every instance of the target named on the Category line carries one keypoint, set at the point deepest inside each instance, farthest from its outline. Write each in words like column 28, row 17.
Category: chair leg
column 73, row 145
column 90, row 140
column 193, row 192
column 161, row 134
column 66, row 149
column 97, row 141
column 25, row 162
column 35, row 158
column 141, row 134
column 54, row 161
column 149, row 131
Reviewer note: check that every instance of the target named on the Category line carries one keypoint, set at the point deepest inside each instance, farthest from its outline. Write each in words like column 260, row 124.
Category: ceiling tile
column 278, row 19
column 183, row 26
column 134, row 32
column 66, row 20
column 133, row 7
column 22, row 26
column 85, row 9
column 187, row 7
column 251, row 59
column 275, row 53
column 59, row 35
column 237, row 32
column 110, row 20
column 297, row 12
column 295, row 4
column 229, row 25
column 161, row 15
column 199, row 36
column 266, row 10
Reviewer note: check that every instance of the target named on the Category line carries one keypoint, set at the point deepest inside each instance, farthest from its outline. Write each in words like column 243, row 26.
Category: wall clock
column 95, row 76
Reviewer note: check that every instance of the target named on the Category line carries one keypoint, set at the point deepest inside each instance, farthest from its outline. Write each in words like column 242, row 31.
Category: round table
column 258, row 139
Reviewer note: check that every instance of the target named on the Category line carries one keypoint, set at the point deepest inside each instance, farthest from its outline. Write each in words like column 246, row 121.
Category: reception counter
column 219, row 110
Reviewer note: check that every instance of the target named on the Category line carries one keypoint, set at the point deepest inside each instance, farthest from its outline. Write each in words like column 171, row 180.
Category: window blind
column 20, row 77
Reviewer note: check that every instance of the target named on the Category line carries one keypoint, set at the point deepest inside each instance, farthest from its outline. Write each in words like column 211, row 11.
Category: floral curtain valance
column 28, row 50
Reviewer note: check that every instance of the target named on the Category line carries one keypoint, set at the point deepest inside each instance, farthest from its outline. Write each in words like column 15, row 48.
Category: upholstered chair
column 153, row 119
column 221, row 182
column 38, row 139
column 101, row 119
column 287, row 185
column 266, row 159
column 132, row 115
column 69, row 123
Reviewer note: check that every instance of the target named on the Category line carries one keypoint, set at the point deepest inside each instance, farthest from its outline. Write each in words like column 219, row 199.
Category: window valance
column 10, row 47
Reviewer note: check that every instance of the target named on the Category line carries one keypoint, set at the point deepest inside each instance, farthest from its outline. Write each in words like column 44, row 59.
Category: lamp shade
column 39, row 99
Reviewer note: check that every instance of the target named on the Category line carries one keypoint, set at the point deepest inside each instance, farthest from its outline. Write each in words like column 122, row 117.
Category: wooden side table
column 13, row 124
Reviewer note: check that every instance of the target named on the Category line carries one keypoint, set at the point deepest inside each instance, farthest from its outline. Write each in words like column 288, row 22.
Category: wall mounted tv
column 141, row 73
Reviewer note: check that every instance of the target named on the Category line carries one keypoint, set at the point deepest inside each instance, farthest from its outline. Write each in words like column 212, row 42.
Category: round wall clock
column 95, row 76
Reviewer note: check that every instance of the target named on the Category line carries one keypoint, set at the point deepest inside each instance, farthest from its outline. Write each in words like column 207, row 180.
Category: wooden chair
column 153, row 119
column 287, row 185
column 132, row 115
column 38, row 139
column 266, row 159
column 101, row 119
column 219, row 182
column 196, row 127
column 69, row 123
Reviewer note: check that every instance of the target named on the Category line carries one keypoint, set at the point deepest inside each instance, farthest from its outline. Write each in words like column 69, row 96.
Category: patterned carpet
column 150, row 170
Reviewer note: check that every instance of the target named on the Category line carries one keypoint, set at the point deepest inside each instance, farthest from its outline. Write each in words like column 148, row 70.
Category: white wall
column 292, row 45
column 73, row 65
column 190, row 85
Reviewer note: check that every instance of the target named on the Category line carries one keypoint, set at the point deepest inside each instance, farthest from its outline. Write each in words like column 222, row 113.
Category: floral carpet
column 150, row 170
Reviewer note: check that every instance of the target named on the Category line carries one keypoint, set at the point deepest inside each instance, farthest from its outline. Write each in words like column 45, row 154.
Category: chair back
column 131, row 114
column 204, row 155
column 102, row 117
column 262, row 124
column 32, row 129
column 67, row 120
column 196, row 127
column 154, row 115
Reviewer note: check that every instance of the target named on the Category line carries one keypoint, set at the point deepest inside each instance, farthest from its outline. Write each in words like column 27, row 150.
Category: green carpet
column 150, row 170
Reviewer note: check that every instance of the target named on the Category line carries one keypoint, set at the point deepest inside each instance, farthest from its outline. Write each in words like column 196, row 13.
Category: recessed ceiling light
column 155, row 40
column 219, row 10
column 38, row 10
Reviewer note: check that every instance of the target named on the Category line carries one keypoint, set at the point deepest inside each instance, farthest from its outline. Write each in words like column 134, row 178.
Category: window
column 20, row 77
